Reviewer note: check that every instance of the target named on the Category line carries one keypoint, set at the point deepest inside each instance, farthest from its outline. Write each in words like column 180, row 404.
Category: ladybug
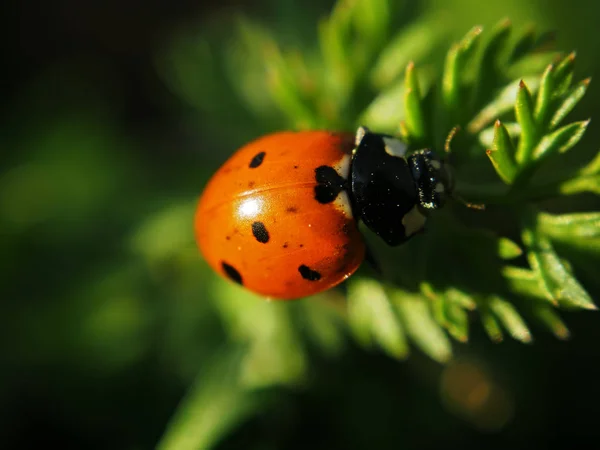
column 281, row 216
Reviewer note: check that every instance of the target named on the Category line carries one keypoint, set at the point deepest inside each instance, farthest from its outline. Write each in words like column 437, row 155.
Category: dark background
column 88, row 122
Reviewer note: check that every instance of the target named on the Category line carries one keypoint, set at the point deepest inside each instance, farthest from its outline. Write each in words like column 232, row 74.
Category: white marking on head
column 342, row 204
column 435, row 164
column 342, row 167
column 394, row 147
column 413, row 221
column 360, row 133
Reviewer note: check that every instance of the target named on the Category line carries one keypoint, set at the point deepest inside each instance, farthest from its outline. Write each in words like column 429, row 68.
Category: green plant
column 506, row 97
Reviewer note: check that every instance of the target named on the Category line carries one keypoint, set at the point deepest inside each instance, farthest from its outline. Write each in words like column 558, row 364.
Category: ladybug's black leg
column 449, row 158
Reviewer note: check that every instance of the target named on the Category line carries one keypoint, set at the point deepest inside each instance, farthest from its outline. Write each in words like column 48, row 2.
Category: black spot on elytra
column 260, row 232
column 301, row 245
column 285, row 245
column 257, row 160
column 309, row 274
column 228, row 238
column 329, row 184
column 232, row 273
column 251, row 184
column 291, row 209
column 295, row 167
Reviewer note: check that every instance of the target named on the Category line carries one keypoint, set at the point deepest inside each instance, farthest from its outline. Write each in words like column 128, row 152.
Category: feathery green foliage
column 505, row 98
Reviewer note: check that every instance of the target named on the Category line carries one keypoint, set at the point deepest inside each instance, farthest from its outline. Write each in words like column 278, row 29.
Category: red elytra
column 276, row 217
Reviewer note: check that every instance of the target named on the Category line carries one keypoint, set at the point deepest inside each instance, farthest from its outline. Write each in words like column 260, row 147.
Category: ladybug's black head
column 392, row 191
column 432, row 177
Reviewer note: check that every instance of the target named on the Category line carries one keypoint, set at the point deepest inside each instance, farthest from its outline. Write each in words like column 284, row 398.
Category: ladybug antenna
column 448, row 143
column 448, row 150
column 476, row 206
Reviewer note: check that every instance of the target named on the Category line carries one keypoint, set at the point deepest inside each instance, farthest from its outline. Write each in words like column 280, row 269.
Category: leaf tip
column 506, row 22
column 497, row 123
column 497, row 338
column 590, row 307
column 522, row 85
column 562, row 333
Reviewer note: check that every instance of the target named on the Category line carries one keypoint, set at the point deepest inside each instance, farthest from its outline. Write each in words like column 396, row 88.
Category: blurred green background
column 108, row 314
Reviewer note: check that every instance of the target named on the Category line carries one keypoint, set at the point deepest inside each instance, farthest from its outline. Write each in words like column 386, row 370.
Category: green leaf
column 579, row 230
column 460, row 298
column 510, row 318
column 456, row 59
column 502, row 154
column 545, row 96
column 590, row 183
column 560, row 140
column 275, row 353
column 569, row 102
column 548, row 316
column 593, row 167
column 415, row 122
column 385, row 112
column 458, row 321
column 212, row 407
column 580, row 224
column 523, row 45
column 494, row 47
column 564, row 73
column 436, row 303
column 286, row 93
column 449, row 310
column 333, row 32
column 323, row 325
column 558, row 282
column 508, row 249
column 371, row 18
column 525, row 117
column 486, row 137
column 503, row 102
column 164, row 235
column 420, row 326
column 525, row 283
column 413, row 43
column 490, row 324
column 488, row 65
column 372, row 317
